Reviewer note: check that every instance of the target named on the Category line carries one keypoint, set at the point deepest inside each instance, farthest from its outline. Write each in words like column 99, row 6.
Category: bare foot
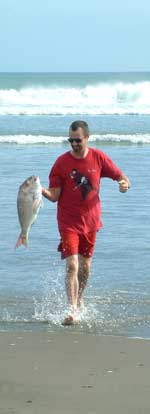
column 70, row 319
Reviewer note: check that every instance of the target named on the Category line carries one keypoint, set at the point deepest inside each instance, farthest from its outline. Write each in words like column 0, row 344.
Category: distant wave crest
column 103, row 138
column 111, row 98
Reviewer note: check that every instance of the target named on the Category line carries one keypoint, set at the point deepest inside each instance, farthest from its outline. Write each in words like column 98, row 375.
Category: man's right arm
column 52, row 194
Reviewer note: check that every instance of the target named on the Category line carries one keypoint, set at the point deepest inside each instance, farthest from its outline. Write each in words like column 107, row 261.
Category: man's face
column 78, row 147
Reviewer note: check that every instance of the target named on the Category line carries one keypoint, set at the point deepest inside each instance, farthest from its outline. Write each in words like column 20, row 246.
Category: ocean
column 36, row 110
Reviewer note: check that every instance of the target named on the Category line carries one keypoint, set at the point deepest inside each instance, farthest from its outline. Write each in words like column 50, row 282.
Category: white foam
column 43, row 139
column 110, row 98
column 31, row 139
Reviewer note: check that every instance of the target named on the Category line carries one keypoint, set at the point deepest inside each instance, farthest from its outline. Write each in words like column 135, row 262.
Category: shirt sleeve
column 55, row 176
column 110, row 169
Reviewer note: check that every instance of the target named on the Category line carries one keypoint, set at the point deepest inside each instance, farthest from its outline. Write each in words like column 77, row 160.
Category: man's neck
column 80, row 154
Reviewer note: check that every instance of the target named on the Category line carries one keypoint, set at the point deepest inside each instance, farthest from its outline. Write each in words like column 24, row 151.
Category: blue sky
column 75, row 35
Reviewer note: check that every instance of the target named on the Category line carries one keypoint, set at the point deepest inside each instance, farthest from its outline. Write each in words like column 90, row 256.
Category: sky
column 74, row 35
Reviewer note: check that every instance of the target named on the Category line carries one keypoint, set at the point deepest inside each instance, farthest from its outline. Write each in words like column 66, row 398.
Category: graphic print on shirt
column 81, row 181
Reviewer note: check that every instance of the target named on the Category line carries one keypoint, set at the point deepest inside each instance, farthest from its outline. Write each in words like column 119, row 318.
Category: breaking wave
column 102, row 138
column 111, row 98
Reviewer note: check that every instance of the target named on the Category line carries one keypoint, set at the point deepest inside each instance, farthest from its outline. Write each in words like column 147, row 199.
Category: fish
column 29, row 201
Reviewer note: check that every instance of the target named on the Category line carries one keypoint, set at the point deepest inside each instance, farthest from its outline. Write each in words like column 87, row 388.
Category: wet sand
column 67, row 373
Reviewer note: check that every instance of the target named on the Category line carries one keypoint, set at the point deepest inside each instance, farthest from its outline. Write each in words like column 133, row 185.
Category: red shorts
column 72, row 243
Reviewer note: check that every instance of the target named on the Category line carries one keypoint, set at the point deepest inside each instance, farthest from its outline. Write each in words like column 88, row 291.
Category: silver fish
column 29, row 201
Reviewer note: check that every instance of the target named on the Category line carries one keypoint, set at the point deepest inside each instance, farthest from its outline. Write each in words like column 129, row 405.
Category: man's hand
column 52, row 194
column 124, row 184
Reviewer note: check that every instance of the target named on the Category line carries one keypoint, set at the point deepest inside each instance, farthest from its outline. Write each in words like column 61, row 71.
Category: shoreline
column 44, row 372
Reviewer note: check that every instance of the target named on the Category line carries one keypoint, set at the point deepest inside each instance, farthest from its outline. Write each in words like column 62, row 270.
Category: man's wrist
column 43, row 191
column 46, row 193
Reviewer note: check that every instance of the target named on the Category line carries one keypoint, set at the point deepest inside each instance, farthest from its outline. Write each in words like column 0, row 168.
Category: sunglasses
column 77, row 140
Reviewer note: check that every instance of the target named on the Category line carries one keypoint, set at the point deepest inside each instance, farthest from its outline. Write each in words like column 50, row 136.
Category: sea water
column 35, row 113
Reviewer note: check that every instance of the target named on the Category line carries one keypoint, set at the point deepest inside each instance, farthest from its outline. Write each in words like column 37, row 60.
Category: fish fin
column 22, row 240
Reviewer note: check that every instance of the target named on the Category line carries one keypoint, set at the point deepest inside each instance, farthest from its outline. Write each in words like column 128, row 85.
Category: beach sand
column 71, row 373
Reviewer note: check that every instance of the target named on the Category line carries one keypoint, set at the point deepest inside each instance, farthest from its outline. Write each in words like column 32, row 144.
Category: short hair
column 80, row 124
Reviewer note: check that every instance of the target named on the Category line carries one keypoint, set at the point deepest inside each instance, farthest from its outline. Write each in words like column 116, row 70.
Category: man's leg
column 72, row 287
column 83, row 274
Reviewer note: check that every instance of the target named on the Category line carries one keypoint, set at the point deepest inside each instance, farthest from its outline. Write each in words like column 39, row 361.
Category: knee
column 86, row 268
column 72, row 265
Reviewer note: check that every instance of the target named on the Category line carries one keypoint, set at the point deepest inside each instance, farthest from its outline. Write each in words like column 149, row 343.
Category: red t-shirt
column 79, row 207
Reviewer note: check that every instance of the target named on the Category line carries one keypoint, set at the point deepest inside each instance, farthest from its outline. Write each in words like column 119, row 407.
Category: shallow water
column 117, row 298
column 35, row 113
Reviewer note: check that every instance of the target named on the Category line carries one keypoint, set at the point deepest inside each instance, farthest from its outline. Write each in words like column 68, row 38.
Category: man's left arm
column 111, row 170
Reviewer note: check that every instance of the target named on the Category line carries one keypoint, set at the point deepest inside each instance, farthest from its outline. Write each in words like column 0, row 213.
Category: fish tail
column 22, row 239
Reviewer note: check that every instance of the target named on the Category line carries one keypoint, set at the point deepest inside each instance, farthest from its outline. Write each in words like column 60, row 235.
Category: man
column 74, row 182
